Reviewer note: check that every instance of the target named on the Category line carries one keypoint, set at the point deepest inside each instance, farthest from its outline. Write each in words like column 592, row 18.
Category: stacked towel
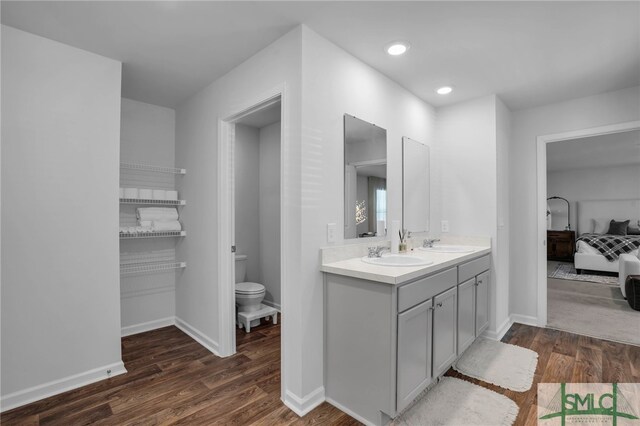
column 160, row 219
column 157, row 213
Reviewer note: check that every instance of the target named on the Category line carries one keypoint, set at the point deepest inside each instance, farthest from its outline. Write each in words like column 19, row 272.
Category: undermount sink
column 448, row 249
column 397, row 260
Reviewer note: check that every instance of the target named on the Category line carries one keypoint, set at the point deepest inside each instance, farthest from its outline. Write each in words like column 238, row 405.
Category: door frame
column 541, row 210
column 226, row 215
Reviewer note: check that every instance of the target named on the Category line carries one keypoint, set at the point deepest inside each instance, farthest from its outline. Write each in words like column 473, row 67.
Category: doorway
column 267, row 107
column 542, row 202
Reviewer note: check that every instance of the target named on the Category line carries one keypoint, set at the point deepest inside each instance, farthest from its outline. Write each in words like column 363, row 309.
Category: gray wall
column 270, row 212
column 60, row 152
column 247, row 198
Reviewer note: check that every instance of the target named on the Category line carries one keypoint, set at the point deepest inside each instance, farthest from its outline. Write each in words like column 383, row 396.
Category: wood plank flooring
column 174, row 380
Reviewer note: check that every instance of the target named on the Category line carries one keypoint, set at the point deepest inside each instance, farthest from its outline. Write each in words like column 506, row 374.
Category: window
column 381, row 204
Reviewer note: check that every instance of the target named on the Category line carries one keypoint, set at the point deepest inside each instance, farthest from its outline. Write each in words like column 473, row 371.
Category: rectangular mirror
column 415, row 185
column 365, row 178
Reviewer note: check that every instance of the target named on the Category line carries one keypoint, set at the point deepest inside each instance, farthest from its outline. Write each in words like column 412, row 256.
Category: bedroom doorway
column 586, row 179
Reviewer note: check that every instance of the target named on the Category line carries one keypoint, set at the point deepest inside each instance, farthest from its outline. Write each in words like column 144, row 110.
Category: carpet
column 508, row 366
column 458, row 402
column 566, row 271
column 592, row 310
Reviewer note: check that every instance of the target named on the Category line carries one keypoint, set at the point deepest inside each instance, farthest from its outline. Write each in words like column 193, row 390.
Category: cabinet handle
column 439, row 305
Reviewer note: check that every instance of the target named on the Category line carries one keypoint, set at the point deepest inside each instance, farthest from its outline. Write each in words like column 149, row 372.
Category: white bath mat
column 457, row 402
column 501, row 364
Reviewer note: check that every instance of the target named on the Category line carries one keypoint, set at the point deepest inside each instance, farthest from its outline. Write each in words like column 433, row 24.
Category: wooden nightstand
column 561, row 245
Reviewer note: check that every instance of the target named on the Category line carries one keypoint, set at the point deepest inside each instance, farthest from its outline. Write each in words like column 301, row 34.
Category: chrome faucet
column 376, row 251
column 428, row 243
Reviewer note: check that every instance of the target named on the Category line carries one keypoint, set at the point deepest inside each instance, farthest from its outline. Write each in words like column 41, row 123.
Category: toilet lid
column 249, row 288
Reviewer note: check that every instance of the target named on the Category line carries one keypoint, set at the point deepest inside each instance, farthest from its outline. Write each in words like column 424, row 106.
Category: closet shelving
column 155, row 234
column 146, row 267
column 150, row 168
column 156, row 202
column 155, row 266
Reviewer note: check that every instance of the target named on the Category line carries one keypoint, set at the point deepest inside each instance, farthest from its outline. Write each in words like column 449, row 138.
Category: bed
column 593, row 218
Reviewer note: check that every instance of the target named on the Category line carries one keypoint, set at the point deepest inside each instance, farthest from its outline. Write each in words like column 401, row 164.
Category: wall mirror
column 365, row 178
column 415, row 185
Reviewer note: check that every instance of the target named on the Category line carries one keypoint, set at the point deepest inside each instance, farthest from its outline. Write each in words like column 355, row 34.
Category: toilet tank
column 241, row 267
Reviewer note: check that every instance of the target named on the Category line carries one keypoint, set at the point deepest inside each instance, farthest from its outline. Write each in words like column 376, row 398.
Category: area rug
column 458, row 402
column 508, row 366
column 566, row 271
column 592, row 310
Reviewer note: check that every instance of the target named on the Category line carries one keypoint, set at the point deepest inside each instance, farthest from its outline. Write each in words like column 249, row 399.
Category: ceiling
column 529, row 53
column 618, row 149
column 262, row 117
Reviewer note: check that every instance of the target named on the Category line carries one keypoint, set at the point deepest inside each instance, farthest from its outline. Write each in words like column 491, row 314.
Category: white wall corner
column 45, row 390
column 147, row 326
column 526, row 320
column 302, row 406
column 198, row 336
column 500, row 330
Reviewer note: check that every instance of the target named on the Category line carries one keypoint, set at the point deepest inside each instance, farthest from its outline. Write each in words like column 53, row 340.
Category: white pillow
column 600, row 226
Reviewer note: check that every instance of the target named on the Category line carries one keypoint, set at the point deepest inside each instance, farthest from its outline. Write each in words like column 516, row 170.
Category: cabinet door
column 445, row 318
column 414, row 352
column 466, row 314
column 482, row 302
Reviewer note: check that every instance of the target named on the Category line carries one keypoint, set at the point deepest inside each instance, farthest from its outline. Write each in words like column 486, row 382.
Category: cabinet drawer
column 469, row 270
column 418, row 291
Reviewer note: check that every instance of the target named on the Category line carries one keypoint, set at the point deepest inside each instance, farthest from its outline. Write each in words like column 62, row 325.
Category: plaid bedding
column 611, row 246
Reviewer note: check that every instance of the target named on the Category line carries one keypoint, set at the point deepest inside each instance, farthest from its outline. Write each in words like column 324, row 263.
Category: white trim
column 274, row 305
column 502, row 330
column 302, row 406
column 524, row 319
column 55, row 387
column 198, row 336
column 147, row 326
column 541, row 209
column 349, row 412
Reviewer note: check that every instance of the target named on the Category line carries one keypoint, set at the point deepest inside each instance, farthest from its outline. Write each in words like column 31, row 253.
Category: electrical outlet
column 444, row 226
column 331, row 232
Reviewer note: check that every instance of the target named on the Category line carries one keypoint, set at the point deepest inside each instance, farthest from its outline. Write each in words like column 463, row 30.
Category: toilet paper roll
column 380, row 228
column 172, row 195
column 159, row 194
column 131, row 193
column 121, row 192
column 145, row 194
column 395, row 236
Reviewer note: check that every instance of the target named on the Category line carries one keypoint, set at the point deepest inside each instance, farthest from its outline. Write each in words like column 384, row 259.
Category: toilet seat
column 249, row 288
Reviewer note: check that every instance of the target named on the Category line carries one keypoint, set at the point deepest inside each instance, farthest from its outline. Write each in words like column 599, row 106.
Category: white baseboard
column 525, row 319
column 45, row 390
column 302, row 406
column 349, row 412
column 198, row 336
column 272, row 304
column 147, row 326
column 500, row 332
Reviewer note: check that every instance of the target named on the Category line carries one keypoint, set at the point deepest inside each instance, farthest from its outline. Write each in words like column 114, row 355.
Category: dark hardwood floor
column 174, row 380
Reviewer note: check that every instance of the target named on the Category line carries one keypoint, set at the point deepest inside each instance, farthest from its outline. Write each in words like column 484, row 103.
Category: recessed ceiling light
column 397, row 48
column 444, row 90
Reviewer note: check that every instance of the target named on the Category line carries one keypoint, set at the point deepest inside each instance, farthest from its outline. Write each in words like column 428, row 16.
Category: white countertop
column 395, row 275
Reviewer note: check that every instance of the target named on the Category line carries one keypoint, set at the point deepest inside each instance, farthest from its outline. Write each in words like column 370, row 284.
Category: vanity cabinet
column 386, row 343
column 482, row 302
column 414, row 352
column 445, row 331
column 466, row 314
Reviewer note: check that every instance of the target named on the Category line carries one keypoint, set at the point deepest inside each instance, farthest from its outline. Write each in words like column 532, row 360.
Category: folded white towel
column 172, row 225
column 157, row 213
column 145, row 223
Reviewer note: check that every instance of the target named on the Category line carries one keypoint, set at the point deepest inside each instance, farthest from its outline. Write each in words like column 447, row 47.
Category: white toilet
column 248, row 295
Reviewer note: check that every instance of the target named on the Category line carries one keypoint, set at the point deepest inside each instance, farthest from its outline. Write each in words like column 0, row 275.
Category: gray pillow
column 633, row 230
column 618, row 228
